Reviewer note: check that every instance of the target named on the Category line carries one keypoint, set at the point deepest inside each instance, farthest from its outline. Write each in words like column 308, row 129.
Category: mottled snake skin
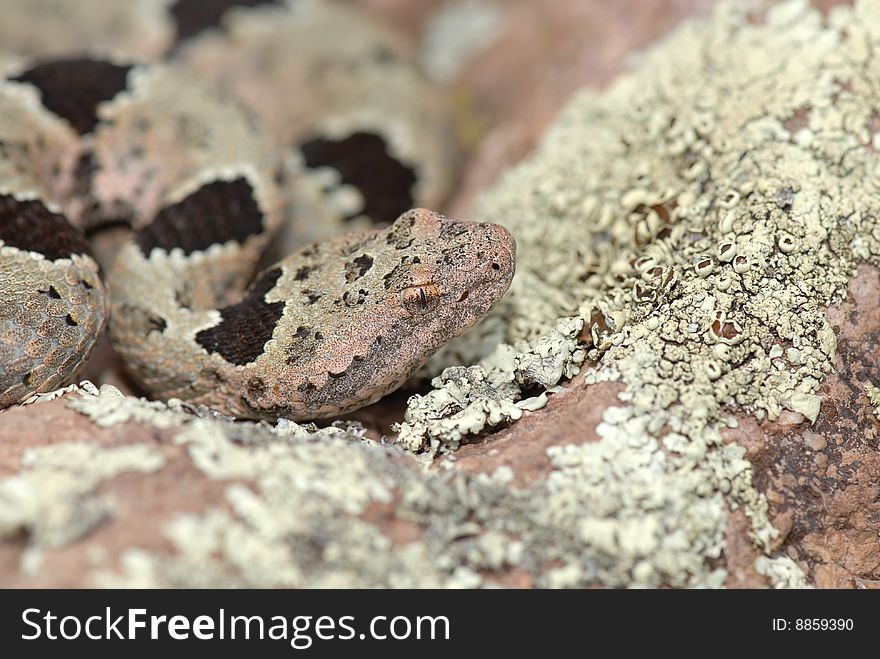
column 201, row 182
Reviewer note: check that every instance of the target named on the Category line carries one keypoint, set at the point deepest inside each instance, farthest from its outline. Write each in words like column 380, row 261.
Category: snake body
column 86, row 143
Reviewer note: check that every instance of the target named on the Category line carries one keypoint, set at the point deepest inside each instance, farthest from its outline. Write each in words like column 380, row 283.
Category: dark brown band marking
column 73, row 88
column 216, row 213
column 362, row 160
column 304, row 272
column 245, row 327
column 30, row 226
column 357, row 268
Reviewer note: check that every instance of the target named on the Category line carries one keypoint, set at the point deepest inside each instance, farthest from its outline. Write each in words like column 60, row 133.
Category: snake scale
column 201, row 190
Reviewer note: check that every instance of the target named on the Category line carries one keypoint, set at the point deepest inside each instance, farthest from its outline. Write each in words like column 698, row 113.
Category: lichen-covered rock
column 466, row 401
column 697, row 217
column 661, row 214
column 163, row 498
column 527, row 60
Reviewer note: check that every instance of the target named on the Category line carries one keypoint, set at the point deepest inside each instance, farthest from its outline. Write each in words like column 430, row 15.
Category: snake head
column 450, row 273
column 348, row 320
column 390, row 299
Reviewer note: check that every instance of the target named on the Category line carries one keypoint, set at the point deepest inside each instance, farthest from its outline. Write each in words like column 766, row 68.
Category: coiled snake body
column 332, row 327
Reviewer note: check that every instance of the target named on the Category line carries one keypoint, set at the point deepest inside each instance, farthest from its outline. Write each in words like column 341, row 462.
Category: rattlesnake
column 195, row 176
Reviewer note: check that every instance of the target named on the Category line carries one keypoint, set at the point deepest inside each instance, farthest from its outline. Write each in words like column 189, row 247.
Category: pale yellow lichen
column 85, row 386
column 644, row 518
column 697, row 216
column 299, row 520
column 466, row 401
column 782, row 572
column 54, row 498
column 873, row 393
column 109, row 407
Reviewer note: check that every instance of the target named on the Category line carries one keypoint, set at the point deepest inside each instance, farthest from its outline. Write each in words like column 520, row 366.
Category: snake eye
column 419, row 298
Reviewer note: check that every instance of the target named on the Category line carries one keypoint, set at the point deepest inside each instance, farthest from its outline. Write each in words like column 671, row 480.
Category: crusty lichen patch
column 55, row 499
column 466, row 401
column 873, row 393
column 696, row 217
column 296, row 509
column 108, row 407
column 302, row 521
column 782, row 572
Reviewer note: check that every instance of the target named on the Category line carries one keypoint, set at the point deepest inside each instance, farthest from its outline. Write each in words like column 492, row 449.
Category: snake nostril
column 462, row 297
column 495, row 266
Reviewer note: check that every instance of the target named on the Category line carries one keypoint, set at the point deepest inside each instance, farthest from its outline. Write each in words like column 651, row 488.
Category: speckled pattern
column 52, row 300
column 333, row 327
column 51, row 313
